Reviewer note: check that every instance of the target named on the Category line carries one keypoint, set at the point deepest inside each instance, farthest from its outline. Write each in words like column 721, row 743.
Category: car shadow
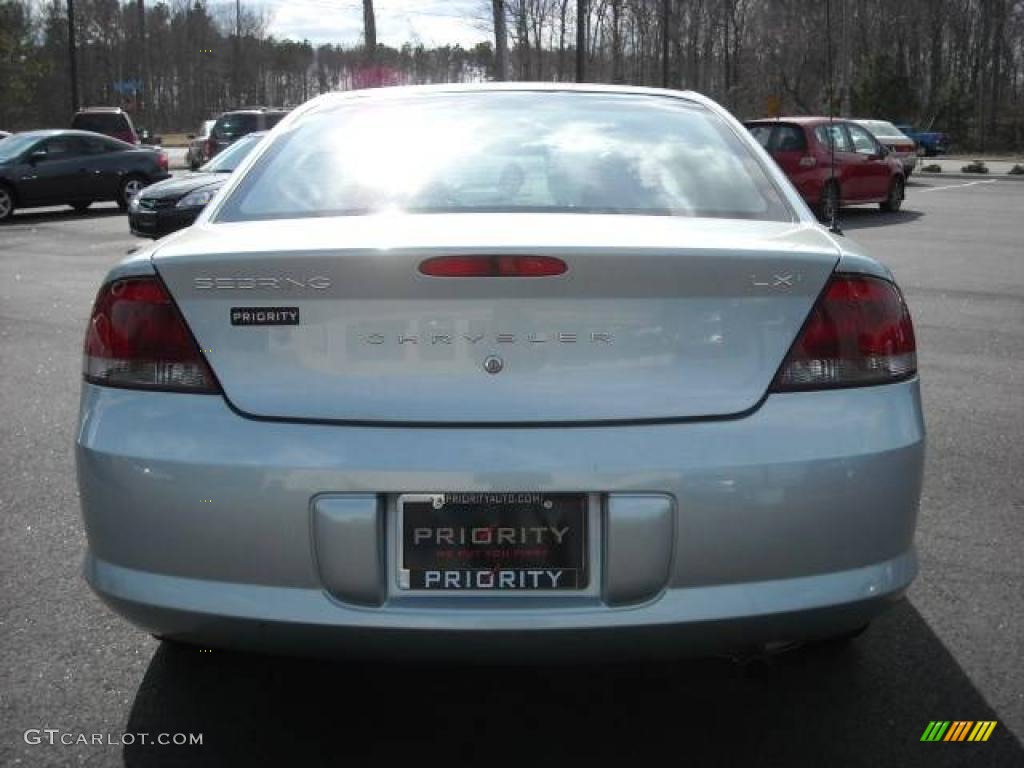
column 44, row 215
column 866, row 704
column 868, row 218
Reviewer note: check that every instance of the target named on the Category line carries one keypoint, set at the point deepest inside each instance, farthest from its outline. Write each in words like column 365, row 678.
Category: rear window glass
column 100, row 122
column 789, row 138
column 507, row 152
column 274, row 118
column 763, row 134
column 230, row 126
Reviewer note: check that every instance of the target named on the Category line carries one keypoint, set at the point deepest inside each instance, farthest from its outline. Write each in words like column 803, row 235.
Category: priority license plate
column 526, row 542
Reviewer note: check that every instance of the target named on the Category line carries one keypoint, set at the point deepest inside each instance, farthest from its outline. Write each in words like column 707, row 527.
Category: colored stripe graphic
column 982, row 730
column 958, row 730
column 935, row 730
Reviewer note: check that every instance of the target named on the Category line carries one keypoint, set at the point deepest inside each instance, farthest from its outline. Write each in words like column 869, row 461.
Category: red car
column 865, row 170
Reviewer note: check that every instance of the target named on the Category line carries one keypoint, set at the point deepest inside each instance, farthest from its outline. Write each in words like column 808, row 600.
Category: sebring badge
column 284, row 282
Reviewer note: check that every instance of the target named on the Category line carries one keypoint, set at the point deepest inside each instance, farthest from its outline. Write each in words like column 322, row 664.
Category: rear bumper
column 685, row 621
column 792, row 522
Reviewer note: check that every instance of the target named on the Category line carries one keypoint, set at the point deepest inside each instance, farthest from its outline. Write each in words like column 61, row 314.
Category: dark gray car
column 76, row 168
column 231, row 126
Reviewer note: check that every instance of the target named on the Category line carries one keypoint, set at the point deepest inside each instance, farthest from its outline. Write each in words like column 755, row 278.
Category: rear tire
column 81, row 207
column 130, row 186
column 828, row 205
column 895, row 200
column 6, row 202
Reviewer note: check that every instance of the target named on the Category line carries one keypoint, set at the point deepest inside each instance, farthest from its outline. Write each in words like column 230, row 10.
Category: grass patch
column 975, row 166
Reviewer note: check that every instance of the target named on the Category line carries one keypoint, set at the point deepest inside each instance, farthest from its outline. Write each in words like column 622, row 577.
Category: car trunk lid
column 655, row 318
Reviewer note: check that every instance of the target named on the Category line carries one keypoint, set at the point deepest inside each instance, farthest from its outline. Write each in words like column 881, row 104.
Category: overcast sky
column 432, row 22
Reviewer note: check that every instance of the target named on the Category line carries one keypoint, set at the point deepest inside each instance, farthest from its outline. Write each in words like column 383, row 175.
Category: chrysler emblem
column 493, row 364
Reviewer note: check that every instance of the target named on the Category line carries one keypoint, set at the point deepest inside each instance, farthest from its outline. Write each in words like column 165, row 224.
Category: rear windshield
column 779, row 137
column 508, row 152
column 100, row 122
column 230, row 126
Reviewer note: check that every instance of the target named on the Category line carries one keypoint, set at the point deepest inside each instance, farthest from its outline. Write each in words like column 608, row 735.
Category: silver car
column 901, row 146
column 510, row 369
column 195, row 155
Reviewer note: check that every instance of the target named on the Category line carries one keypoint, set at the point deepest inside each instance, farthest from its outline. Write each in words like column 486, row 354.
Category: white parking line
column 956, row 186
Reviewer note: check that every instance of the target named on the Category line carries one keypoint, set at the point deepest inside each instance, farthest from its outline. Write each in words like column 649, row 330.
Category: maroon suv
column 110, row 121
column 864, row 172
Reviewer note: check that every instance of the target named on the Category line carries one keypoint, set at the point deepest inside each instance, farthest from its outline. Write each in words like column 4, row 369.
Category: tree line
column 954, row 65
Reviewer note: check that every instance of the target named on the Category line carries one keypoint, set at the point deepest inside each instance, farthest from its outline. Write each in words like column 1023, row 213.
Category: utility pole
column 581, row 40
column 370, row 31
column 238, row 53
column 666, row 17
column 142, row 60
column 72, row 56
column 500, row 41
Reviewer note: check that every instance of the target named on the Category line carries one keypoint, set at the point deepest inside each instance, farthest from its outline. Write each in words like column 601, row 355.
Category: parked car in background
column 865, row 171
column 4, row 135
column 196, row 154
column 929, row 143
column 175, row 203
column 110, row 121
column 76, row 168
column 231, row 126
column 902, row 147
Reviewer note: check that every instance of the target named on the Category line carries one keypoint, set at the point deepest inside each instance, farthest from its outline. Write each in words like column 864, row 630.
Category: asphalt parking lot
column 953, row 651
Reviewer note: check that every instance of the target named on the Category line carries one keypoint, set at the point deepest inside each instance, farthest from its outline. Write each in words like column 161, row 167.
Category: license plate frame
column 583, row 510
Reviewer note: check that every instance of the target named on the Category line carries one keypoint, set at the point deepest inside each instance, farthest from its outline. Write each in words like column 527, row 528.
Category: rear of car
column 832, row 163
column 195, row 155
column 232, row 126
column 520, row 370
column 110, row 121
column 929, row 143
column 901, row 146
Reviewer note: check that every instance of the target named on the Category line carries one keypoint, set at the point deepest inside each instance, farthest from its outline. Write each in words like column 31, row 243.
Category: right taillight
column 138, row 339
column 859, row 332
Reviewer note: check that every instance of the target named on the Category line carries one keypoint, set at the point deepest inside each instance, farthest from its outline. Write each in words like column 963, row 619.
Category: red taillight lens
column 858, row 333
column 493, row 266
column 137, row 338
column 162, row 161
column 211, row 148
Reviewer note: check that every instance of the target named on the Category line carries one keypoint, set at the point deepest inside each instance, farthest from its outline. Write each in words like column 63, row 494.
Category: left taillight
column 137, row 338
column 162, row 161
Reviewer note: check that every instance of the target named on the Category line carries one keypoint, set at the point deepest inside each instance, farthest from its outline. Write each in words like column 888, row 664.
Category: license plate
column 526, row 542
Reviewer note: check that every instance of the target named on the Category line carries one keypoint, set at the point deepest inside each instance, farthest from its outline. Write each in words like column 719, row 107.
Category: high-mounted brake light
column 858, row 333
column 493, row 266
column 137, row 338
